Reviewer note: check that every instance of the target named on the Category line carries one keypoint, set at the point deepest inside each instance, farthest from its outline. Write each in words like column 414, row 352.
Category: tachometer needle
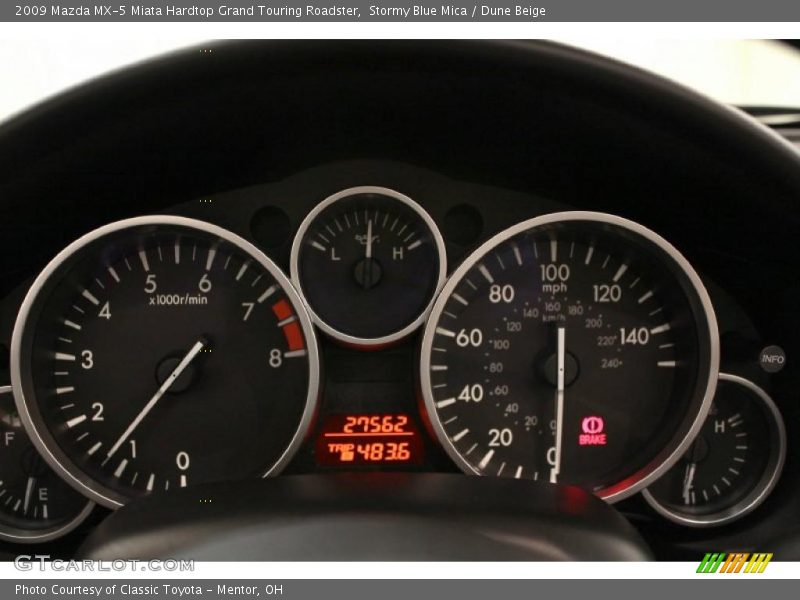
column 199, row 345
column 560, row 353
column 28, row 492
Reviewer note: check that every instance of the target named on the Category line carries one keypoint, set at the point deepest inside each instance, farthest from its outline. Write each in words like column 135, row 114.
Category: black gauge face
column 731, row 466
column 35, row 504
column 574, row 348
column 162, row 352
column 369, row 262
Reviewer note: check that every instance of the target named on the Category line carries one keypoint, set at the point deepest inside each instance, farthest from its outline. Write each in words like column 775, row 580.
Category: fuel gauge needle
column 560, row 353
column 190, row 356
column 28, row 492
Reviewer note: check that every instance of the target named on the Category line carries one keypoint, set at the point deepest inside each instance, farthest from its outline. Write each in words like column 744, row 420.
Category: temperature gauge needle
column 561, row 353
column 369, row 238
column 190, row 356
column 369, row 266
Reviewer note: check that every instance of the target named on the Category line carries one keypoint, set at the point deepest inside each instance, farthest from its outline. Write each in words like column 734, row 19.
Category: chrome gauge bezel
column 706, row 321
column 294, row 267
column 761, row 490
column 21, row 377
column 18, row 535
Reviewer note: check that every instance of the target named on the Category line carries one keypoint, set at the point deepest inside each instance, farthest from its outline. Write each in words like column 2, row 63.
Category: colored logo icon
column 735, row 562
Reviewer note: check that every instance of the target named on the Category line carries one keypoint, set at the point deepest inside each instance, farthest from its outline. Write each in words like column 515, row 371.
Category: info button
column 772, row 359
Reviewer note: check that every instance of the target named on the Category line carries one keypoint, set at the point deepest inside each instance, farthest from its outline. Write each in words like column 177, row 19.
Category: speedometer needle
column 560, row 353
column 199, row 345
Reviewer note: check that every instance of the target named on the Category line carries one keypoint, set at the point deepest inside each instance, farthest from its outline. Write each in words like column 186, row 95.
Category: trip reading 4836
column 355, row 440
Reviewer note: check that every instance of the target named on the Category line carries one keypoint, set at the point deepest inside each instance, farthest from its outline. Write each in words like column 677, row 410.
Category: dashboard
column 386, row 271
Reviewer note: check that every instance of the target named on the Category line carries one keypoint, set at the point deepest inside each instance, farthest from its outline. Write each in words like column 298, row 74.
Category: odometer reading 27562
column 161, row 352
column 577, row 348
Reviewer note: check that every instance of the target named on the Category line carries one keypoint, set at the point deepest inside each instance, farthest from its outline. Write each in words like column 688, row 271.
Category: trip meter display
column 161, row 352
column 576, row 348
column 368, row 439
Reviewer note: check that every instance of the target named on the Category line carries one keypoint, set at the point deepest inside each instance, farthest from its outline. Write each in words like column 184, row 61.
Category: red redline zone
column 291, row 331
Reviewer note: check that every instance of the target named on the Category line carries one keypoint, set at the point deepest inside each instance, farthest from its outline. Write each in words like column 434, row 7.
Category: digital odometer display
column 161, row 352
column 575, row 348
column 359, row 440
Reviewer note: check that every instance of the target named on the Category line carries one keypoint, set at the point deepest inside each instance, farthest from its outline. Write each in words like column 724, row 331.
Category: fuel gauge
column 35, row 504
column 733, row 464
column 369, row 262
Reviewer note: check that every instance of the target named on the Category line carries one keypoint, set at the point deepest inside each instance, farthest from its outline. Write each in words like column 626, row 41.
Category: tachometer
column 160, row 352
column 577, row 348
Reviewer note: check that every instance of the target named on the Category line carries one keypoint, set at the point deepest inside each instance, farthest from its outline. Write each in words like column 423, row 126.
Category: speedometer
column 576, row 348
column 162, row 352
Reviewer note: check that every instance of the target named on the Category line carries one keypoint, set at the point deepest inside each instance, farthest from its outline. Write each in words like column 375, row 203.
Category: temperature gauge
column 35, row 505
column 369, row 262
column 733, row 464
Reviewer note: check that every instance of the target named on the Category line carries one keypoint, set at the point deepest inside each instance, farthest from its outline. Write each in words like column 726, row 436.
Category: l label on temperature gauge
column 359, row 440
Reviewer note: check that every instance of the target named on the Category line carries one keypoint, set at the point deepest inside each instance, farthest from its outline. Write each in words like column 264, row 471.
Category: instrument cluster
column 379, row 327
